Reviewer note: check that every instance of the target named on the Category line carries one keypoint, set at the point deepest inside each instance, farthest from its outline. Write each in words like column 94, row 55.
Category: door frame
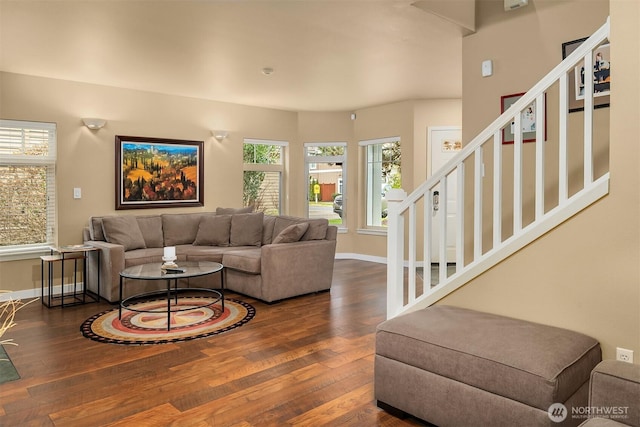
column 451, row 252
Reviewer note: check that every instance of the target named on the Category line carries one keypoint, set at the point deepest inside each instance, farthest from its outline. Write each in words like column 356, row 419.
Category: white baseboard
column 35, row 293
column 370, row 258
column 361, row 257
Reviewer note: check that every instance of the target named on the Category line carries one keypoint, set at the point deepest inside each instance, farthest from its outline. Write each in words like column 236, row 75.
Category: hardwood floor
column 306, row 361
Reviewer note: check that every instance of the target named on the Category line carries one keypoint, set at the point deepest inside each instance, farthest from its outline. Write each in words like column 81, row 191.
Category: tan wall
column 532, row 49
column 324, row 127
column 86, row 158
column 584, row 275
column 409, row 120
column 441, row 112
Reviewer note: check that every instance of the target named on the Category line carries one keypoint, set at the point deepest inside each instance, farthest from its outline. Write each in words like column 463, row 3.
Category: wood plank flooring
column 307, row 361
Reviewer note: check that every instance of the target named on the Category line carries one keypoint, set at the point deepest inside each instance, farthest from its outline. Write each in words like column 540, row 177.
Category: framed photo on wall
column 601, row 76
column 158, row 173
column 528, row 120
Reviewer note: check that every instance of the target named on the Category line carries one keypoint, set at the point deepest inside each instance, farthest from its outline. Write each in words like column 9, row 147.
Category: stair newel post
column 395, row 251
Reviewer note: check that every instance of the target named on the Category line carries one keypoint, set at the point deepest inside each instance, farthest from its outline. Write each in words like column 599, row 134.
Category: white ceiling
column 328, row 55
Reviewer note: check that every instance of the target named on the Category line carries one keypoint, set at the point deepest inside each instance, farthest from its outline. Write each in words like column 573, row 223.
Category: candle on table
column 170, row 252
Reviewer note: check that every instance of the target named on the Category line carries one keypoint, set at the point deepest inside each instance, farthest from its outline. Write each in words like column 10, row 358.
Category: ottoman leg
column 398, row 413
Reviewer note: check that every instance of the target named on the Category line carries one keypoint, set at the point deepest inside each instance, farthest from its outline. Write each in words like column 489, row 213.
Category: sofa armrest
column 616, row 384
column 291, row 269
column 111, row 264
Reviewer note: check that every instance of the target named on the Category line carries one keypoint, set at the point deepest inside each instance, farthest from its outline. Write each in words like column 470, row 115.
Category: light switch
column 77, row 193
column 487, row 68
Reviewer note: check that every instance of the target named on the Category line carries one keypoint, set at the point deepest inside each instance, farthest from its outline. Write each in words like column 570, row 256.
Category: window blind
column 27, row 185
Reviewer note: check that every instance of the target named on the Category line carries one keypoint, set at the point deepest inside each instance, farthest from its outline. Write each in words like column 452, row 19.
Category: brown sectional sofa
column 266, row 257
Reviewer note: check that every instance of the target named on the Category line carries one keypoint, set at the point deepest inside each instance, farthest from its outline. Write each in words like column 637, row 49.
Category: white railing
column 543, row 196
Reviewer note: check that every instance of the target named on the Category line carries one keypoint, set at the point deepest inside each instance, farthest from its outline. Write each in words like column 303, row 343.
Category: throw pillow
column 151, row 229
column 282, row 222
column 214, row 231
column 267, row 229
column 180, row 229
column 292, row 233
column 95, row 228
column 123, row 230
column 246, row 229
column 317, row 229
column 231, row 211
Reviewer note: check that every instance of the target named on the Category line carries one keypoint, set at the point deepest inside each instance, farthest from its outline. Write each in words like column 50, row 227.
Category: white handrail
column 401, row 207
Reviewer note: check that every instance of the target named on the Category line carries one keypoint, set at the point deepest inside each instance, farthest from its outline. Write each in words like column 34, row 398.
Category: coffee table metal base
column 172, row 300
column 153, row 272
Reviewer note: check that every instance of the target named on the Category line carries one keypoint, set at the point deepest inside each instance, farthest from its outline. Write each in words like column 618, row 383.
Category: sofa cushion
column 143, row 256
column 151, row 228
column 246, row 260
column 246, row 229
column 317, row 226
column 292, row 233
column 203, row 253
column 180, row 229
column 123, row 230
column 214, row 231
column 527, row 362
column 231, row 211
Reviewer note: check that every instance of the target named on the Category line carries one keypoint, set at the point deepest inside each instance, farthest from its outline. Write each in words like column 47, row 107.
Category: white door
column 443, row 144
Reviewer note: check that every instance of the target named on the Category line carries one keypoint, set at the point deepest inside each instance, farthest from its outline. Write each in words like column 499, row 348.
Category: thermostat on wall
column 487, row 68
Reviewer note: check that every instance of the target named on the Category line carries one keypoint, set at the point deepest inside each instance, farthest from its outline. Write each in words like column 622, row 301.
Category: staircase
column 507, row 195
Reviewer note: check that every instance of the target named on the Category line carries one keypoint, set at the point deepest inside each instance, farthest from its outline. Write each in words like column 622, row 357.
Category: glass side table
column 69, row 293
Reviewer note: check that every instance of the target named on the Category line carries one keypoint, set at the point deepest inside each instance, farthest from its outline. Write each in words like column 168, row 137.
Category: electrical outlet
column 624, row 355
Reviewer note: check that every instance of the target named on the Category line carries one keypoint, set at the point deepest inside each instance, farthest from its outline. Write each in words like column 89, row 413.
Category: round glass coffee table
column 153, row 271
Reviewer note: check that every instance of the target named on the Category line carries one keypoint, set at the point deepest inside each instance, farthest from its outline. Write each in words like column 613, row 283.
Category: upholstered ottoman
column 614, row 395
column 457, row 367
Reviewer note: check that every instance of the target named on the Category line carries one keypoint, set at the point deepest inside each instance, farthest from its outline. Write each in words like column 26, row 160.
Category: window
column 382, row 173
column 263, row 169
column 326, row 173
column 27, row 187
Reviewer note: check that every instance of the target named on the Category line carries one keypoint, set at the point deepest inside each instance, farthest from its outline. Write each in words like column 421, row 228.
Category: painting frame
column 172, row 175
column 507, row 101
column 601, row 98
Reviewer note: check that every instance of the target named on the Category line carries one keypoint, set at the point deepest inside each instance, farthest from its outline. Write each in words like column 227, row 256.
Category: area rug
column 205, row 319
column 7, row 370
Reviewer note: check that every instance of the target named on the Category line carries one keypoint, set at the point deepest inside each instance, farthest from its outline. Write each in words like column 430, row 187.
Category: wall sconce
column 220, row 134
column 94, row 124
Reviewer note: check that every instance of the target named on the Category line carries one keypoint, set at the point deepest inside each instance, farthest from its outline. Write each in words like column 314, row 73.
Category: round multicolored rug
column 197, row 317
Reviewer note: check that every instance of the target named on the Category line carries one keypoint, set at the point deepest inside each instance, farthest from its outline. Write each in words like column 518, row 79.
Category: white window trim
column 372, row 229
column 276, row 167
column 266, row 142
column 328, row 159
column 366, row 142
column 31, row 251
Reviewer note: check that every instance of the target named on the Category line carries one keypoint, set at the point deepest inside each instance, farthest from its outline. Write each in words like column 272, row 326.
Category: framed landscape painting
column 158, row 173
